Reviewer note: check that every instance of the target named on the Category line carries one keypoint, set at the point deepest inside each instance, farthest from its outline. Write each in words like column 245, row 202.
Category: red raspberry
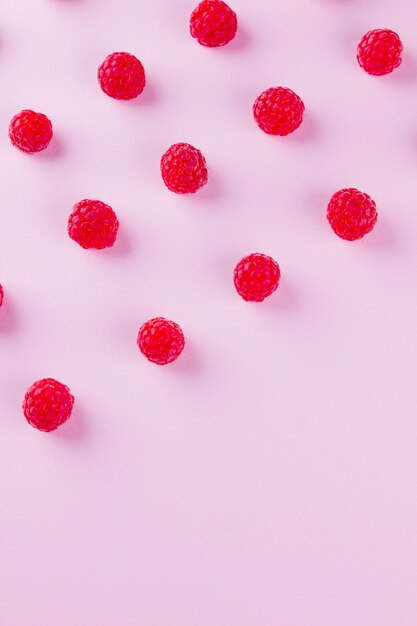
column 161, row 340
column 1, row 295
column 30, row 132
column 351, row 213
column 183, row 168
column 213, row 23
column 121, row 76
column 379, row 52
column 278, row 111
column 47, row 404
column 93, row 224
column 256, row 277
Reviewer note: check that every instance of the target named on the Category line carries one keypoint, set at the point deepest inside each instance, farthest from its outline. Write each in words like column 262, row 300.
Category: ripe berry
column 256, row 277
column 30, row 132
column 278, row 111
column 351, row 213
column 160, row 340
column 213, row 23
column 121, row 76
column 1, row 295
column 379, row 52
column 47, row 404
column 183, row 168
column 93, row 224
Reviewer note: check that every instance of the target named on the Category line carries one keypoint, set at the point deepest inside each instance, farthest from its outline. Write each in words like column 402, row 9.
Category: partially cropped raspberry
column 30, row 132
column 121, row 76
column 379, row 51
column 278, row 111
column 256, row 277
column 183, row 168
column 213, row 23
column 93, row 224
column 1, row 295
column 351, row 213
column 47, row 404
column 161, row 340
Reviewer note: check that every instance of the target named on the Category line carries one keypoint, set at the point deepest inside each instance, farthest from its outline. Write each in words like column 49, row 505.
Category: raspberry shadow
column 56, row 149
column 188, row 363
column 76, row 429
column 9, row 321
column 148, row 98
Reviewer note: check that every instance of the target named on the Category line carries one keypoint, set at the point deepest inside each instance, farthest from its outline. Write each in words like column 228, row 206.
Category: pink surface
column 269, row 476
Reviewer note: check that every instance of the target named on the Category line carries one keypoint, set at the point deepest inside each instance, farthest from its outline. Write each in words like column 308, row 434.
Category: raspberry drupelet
column 278, row 111
column 256, row 277
column 30, row 132
column 183, row 168
column 213, row 23
column 379, row 52
column 121, row 76
column 160, row 340
column 351, row 214
column 1, row 295
column 93, row 224
column 47, row 404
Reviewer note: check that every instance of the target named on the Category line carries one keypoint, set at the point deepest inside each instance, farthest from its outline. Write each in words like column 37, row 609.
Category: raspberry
column 351, row 213
column 256, row 277
column 213, row 23
column 1, row 295
column 183, row 168
column 30, row 132
column 161, row 340
column 379, row 52
column 121, row 76
column 47, row 404
column 278, row 111
column 93, row 224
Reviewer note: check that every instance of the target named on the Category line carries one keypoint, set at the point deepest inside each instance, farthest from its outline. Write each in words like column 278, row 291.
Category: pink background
column 268, row 477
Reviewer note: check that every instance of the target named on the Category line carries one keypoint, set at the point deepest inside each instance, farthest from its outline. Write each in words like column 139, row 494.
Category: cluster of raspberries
column 94, row 224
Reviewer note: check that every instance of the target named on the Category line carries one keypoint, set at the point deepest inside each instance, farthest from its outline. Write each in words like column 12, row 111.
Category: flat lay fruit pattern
column 277, row 111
